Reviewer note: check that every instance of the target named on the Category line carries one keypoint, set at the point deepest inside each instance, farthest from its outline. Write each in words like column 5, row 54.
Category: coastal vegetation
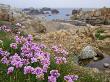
column 34, row 50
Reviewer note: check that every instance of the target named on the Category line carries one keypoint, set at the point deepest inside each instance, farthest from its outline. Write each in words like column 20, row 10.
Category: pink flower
column 13, row 45
column 16, row 61
column 38, row 71
column 45, row 68
column 60, row 60
column 59, row 50
column 18, row 40
column 29, row 38
column 70, row 78
column 25, row 61
column 28, row 69
column 45, row 62
column 4, row 60
column 1, row 52
column 10, row 70
column 52, row 79
column 54, row 73
column 33, row 60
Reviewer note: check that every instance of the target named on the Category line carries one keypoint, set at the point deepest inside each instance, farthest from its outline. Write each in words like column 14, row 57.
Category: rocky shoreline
column 95, row 17
column 82, row 40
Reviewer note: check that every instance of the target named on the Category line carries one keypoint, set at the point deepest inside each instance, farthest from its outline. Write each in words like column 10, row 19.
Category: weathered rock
column 95, row 58
column 87, row 52
column 106, row 65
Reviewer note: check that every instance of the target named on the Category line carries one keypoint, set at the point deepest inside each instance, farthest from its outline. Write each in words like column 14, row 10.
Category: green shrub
column 100, row 31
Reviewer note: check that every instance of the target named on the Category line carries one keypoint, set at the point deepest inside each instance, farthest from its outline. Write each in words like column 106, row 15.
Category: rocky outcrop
column 4, row 12
column 95, row 17
column 10, row 14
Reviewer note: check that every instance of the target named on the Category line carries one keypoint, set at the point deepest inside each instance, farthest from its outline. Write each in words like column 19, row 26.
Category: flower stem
column 16, row 75
column 10, row 79
column 29, row 78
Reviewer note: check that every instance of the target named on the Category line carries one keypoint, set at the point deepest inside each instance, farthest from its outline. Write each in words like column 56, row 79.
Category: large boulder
column 87, row 52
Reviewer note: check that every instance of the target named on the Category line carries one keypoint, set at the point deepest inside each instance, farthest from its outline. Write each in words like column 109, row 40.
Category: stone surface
column 87, row 52
column 95, row 70
column 95, row 58
column 106, row 65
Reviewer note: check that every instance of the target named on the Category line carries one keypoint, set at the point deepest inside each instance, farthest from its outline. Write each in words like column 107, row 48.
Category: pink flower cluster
column 30, row 53
column 53, row 76
column 8, row 28
column 59, row 50
column 60, row 54
column 5, row 28
column 36, row 71
column 60, row 60
column 70, row 78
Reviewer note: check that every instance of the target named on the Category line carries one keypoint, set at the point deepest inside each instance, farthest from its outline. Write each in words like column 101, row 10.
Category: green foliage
column 2, row 34
column 89, row 78
column 3, row 22
column 100, row 31
column 6, row 41
column 99, row 36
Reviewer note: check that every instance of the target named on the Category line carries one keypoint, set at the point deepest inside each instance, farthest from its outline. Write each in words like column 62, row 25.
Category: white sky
column 57, row 3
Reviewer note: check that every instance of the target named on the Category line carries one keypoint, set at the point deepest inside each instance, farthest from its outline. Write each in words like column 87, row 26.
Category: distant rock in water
column 75, row 11
column 54, row 11
column 49, row 15
column 34, row 12
column 45, row 9
column 67, row 15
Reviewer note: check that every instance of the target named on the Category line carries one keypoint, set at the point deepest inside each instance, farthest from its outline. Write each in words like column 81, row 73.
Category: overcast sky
column 57, row 3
